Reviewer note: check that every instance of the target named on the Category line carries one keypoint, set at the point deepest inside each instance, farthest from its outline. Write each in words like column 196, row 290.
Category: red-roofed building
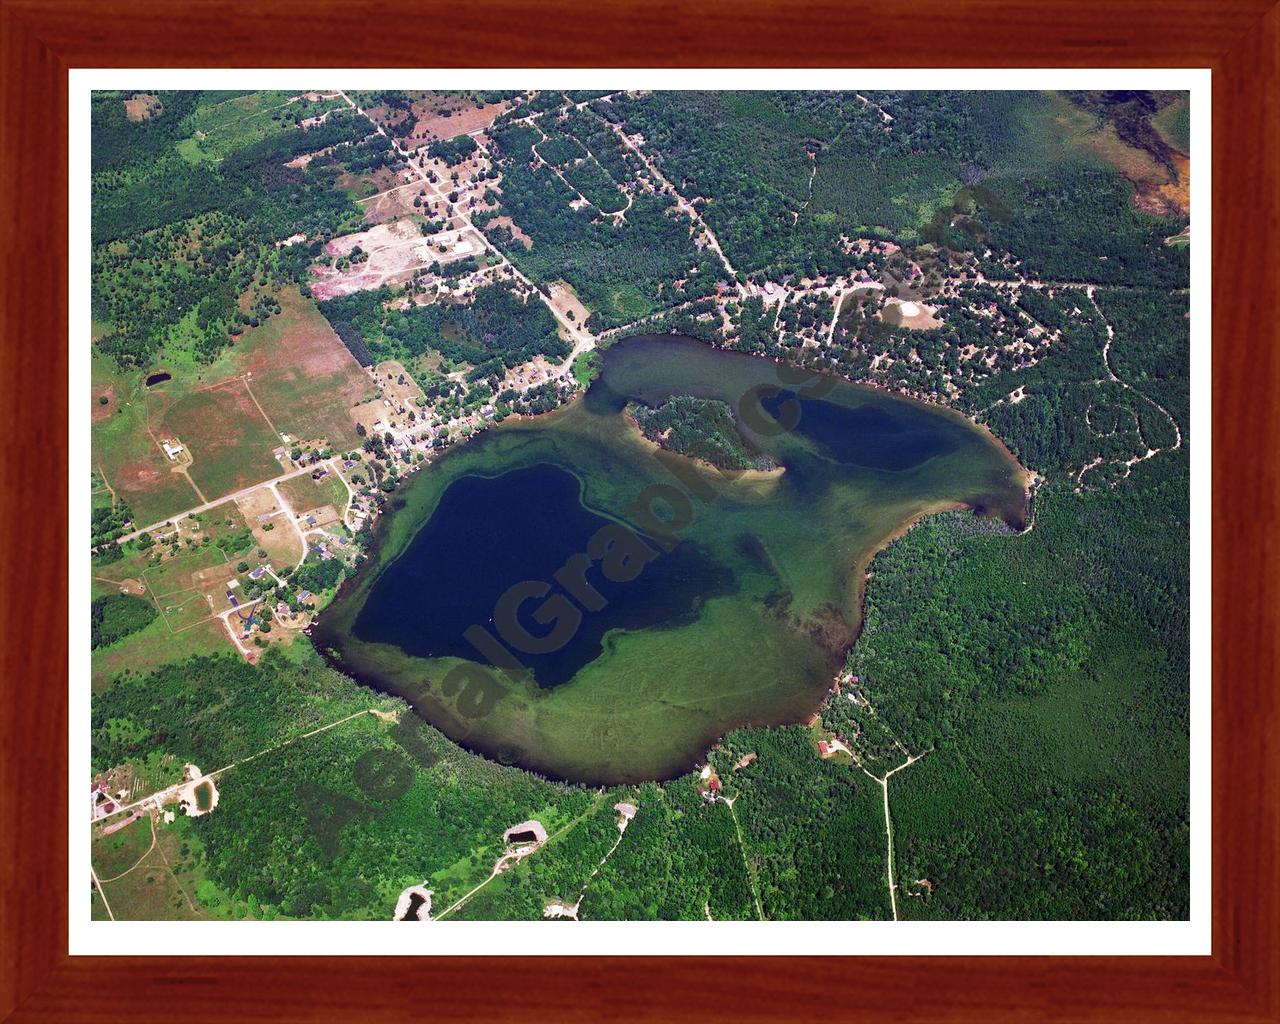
column 714, row 784
column 822, row 747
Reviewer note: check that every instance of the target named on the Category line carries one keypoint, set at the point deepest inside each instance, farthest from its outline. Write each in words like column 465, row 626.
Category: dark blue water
column 487, row 534
column 869, row 437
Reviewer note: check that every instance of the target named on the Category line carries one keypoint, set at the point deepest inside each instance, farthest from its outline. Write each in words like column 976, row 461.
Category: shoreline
column 860, row 576
column 841, row 642
column 709, row 467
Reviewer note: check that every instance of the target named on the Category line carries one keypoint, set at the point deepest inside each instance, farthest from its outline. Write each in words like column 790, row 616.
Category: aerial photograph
column 530, row 505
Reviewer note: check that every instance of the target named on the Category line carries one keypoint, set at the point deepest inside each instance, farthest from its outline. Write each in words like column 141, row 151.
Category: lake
column 558, row 593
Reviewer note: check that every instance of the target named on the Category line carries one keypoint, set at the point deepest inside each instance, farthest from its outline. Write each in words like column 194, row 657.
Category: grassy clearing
column 175, row 574
column 1174, row 124
column 305, row 494
column 163, row 885
column 302, row 374
column 222, row 128
column 229, row 439
column 627, row 303
column 125, row 452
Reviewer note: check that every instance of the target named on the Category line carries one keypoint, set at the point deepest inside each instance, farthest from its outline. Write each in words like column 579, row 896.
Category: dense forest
column 1047, row 675
column 621, row 271
column 496, row 331
column 773, row 172
column 116, row 616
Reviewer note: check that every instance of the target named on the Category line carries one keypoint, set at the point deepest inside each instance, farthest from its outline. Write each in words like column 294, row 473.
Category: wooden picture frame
column 1238, row 39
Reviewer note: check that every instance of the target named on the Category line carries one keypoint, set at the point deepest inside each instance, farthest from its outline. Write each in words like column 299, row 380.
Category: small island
column 699, row 428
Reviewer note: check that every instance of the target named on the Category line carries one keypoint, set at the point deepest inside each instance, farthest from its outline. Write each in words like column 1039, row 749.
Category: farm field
column 126, row 451
column 302, row 375
column 305, row 494
column 230, row 440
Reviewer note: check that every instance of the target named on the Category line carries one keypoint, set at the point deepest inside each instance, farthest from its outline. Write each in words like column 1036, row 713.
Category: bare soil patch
column 400, row 392
column 517, row 232
column 398, row 203
column 1169, row 197
column 464, row 116
column 566, row 300
column 396, row 251
column 258, row 506
column 281, row 542
column 142, row 105
column 371, row 183
column 916, row 315
column 101, row 409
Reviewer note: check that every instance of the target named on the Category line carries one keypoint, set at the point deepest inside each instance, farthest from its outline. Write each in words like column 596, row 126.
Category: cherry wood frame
column 41, row 39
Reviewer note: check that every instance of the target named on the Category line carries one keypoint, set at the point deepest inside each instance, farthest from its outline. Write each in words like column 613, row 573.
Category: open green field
column 154, row 646
column 1173, row 122
column 162, row 881
column 176, row 574
column 184, row 610
column 229, row 439
column 295, row 367
column 125, row 451
column 224, row 525
column 305, row 494
column 627, row 303
column 302, row 373
column 221, row 128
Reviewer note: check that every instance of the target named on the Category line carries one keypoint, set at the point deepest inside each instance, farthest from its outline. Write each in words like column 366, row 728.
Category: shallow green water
column 738, row 594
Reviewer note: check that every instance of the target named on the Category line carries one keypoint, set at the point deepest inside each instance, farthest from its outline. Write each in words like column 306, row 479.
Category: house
column 822, row 748
column 627, row 810
column 304, row 595
column 714, row 785
column 172, row 449
column 311, row 520
column 257, row 573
